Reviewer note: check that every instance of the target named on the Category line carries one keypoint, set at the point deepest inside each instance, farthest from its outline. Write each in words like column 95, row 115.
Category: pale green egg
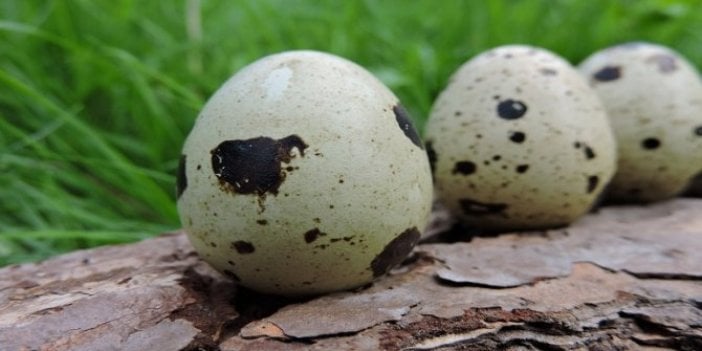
column 653, row 97
column 303, row 175
column 519, row 141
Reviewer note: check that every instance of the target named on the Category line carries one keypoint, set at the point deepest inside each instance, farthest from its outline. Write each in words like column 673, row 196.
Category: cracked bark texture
column 624, row 278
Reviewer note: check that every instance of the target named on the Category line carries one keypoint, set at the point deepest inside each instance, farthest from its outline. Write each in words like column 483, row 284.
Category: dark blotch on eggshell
column 698, row 131
column 395, row 251
column 405, row 123
column 589, row 153
column 312, row 235
column 476, row 208
column 608, row 74
column 181, row 178
column 464, row 167
column 517, row 137
column 511, row 109
column 650, row 143
column 253, row 166
column 587, row 150
column 666, row 63
column 243, row 247
column 592, row 182
column 433, row 157
column 522, row 168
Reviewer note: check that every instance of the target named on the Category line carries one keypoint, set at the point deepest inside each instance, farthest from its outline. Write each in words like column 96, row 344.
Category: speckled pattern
column 519, row 140
column 303, row 175
column 654, row 102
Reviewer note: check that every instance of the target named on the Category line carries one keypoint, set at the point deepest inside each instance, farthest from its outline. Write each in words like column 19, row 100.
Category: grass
column 97, row 96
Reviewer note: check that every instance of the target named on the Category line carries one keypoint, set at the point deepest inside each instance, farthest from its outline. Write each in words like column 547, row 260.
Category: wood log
column 624, row 278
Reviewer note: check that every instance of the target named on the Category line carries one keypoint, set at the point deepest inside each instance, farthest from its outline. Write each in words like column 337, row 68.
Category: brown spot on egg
column 262, row 221
column 665, row 63
column 522, row 168
column 511, row 109
column 464, row 168
column 592, row 182
column 650, row 143
column 312, row 235
column 395, row 251
column 607, row 74
column 698, row 131
column 589, row 153
column 587, row 150
column 476, row 208
column 181, row 179
column 253, row 166
column 243, row 247
column 517, row 137
column 405, row 123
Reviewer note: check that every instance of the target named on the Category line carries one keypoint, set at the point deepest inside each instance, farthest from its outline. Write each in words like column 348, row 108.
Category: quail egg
column 518, row 140
column 303, row 175
column 653, row 97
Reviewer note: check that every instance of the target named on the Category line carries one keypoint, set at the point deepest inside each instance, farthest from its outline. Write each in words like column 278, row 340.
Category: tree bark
column 622, row 278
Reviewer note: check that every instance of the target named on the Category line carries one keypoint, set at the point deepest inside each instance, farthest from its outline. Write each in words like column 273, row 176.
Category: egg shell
column 303, row 175
column 653, row 97
column 519, row 141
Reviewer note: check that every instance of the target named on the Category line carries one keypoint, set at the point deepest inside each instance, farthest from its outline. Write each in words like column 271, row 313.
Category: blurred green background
column 97, row 96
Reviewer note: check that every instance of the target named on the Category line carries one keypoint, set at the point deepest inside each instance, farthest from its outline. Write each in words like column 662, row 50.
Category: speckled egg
column 654, row 100
column 518, row 140
column 303, row 175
